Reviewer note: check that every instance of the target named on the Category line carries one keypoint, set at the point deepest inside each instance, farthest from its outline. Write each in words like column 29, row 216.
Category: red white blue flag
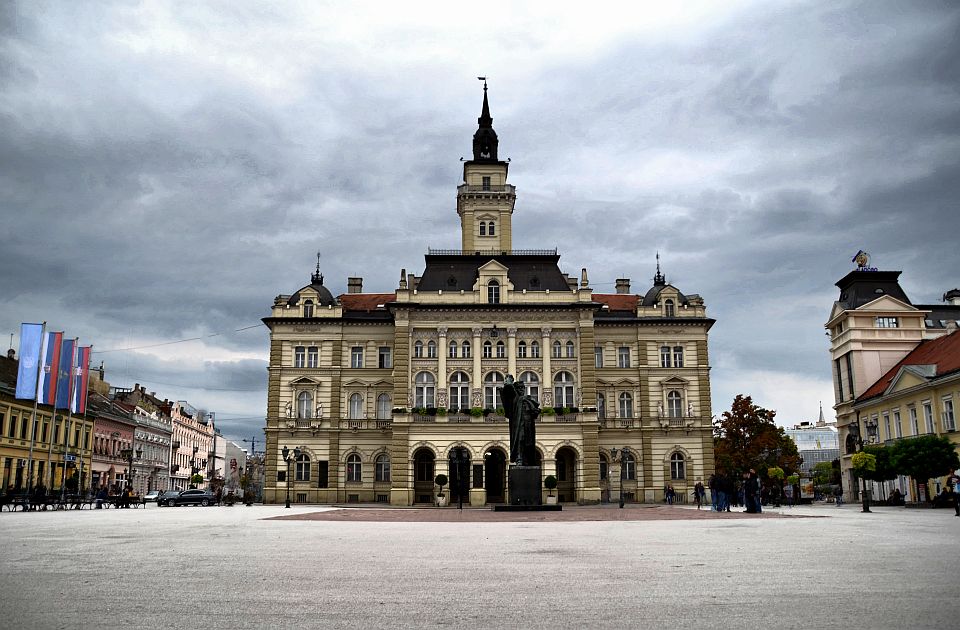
column 50, row 363
column 67, row 356
column 31, row 339
column 81, row 376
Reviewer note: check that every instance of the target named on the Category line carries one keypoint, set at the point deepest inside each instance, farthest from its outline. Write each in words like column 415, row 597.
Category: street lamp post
column 871, row 434
column 617, row 456
column 193, row 465
column 289, row 457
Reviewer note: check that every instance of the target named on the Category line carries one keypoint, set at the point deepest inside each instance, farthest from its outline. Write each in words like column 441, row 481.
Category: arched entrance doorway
column 458, row 466
column 423, row 466
column 495, row 475
column 566, row 474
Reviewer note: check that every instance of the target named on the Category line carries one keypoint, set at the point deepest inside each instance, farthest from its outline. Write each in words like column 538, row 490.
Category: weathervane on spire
column 484, row 79
column 659, row 279
column 317, row 277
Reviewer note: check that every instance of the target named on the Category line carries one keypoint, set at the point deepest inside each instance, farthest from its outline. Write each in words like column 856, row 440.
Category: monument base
column 524, row 485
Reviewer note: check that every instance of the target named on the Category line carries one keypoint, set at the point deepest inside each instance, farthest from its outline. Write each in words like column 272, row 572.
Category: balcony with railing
column 358, row 424
column 509, row 189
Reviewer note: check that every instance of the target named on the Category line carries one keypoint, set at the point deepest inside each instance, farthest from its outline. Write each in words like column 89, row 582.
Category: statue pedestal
column 525, row 485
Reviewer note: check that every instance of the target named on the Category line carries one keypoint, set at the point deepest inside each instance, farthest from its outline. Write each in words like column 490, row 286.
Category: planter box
column 551, row 500
column 442, row 500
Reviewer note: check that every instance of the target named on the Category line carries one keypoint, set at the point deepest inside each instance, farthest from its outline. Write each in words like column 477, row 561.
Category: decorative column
column 545, row 350
column 512, row 352
column 442, row 367
column 476, row 381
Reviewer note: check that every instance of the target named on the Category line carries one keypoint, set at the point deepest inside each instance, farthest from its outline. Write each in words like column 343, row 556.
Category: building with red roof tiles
column 895, row 365
column 371, row 395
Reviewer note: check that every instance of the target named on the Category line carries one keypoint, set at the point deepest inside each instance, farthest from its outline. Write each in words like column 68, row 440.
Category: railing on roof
column 483, row 188
column 492, row 252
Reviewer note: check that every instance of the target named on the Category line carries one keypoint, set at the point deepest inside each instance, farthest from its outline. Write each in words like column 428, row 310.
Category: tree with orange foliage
column 746, row 437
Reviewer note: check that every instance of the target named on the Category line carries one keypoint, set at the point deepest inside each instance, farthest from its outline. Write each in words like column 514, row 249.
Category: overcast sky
column 167, row 169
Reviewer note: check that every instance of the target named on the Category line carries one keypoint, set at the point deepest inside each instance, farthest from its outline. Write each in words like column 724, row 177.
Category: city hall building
column 371, row 395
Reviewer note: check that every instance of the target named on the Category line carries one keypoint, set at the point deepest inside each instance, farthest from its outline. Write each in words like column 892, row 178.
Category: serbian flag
column 67, row 352
column 50, row 363
column 31, row 338
column 81, row 375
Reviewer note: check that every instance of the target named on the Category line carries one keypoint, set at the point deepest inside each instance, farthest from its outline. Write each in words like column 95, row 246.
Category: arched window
column 664, row 356
column 668, row 308
column 522, row 350
column 424, row 389
column 563, row 390
column 302, row 468
column 601, row 405
column 308, row 308
column 531, row 382
column 459, row 391
column 466, row 349
column 628, row 465
column 491, row 394
column 304, row 405
column 356, row 406
column 299, row 356
column 626, row 405
column 483, row 228
column 501, row 350
column 557, row 350
column 491, row 229
column 534, row 350
column 354, row 469
column 570, row 354
column 313, row 355
column 674, row 405
column 452, row 350
column 382, row 471
column 493, row 292
column 678, row 356
column 383, row 406
column 431, row 349
column 678, row 467
column 418, row 349
column 487, row 350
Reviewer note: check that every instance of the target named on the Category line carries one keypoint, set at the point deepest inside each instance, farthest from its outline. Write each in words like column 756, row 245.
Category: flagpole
column 66, row 436
column 53, row 421
column 33, row 421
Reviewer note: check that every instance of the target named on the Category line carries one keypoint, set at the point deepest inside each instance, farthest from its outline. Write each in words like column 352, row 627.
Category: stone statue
column 522, row 411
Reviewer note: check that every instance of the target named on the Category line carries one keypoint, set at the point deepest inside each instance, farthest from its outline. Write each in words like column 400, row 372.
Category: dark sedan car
column 168, row 498
column 192, row 497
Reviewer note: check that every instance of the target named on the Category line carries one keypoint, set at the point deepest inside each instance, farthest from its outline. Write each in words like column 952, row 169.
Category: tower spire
column 658, row 279
column 317, row 277
column 485, row 139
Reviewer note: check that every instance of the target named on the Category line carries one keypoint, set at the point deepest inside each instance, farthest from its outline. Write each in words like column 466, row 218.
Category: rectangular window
column 598, row 357
column 839, row 382
column 897, row 428
column 623, row 357
column 299, row 356
column 312, row 357
column 56, row 432
column 849, row 372
column 501, row 350
column 949, row 423
column 44, row 431
column 485, row 182
column 678, row 356
column 887, row 322
column 281, row 475
column 24, row 426
column 356, row 357
column 914, row 423
column 487, row 350
column 384, row 358
column 2, row 417
column 928, row 416
column 886, row 425
column 478, row 475
column 665, row 356
column 13, row 427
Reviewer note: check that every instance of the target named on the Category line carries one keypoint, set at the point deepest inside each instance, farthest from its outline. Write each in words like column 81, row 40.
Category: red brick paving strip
column 487, row 515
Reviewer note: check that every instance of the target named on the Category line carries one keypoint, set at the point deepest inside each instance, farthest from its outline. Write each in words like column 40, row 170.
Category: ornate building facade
column 373, row 394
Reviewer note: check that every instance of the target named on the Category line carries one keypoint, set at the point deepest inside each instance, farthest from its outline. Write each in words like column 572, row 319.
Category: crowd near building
column 370, row 395
column 896, row 369
column 126, row 436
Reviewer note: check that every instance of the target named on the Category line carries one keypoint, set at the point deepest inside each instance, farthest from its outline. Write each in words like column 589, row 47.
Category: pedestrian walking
column 788, row 494
column 698, row 492
column 670, row 493
column 838, row 495
column 712, row 484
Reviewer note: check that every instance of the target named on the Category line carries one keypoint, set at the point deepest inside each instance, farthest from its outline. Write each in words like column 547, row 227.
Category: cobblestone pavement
column 640, row 567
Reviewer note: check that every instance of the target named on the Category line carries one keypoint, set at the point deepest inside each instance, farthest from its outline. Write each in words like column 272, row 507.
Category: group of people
column 725, row 491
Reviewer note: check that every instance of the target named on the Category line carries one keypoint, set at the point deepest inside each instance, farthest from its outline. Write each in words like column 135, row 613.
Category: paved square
column 241, row 568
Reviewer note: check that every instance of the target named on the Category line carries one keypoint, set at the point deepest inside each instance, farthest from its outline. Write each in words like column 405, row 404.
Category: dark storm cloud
column 164, row 174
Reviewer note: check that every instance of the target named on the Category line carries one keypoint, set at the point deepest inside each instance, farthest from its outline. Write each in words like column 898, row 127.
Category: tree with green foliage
column 883, row 465
column 746, row 437
column 924, row 457
column 823, row 473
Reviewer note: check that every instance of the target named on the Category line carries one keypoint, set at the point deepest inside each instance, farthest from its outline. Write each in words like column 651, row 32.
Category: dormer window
column 668, row 310
column 308, row 308
column 493, row 291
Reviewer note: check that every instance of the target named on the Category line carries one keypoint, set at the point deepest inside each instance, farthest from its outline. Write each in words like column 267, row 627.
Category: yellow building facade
column 374, row 394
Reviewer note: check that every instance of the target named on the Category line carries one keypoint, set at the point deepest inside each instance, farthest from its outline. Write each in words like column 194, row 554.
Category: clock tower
column 485, row 200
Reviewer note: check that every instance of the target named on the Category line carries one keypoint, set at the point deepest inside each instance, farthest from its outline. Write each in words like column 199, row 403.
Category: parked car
column 151, row 497
column 193, row 497
column 168, row 498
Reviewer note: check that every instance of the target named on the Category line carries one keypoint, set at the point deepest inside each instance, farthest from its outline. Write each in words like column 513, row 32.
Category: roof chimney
column 354, row 285
column 623, row 285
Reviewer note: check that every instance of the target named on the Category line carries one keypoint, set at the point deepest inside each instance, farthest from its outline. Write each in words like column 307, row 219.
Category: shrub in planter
column 500, row 411
column 420, row 411
column 565, row 411
column 399, row 410
column 440, row 480
column 431, row 411
column 441, row 411
column 487, row 411
column 550, row 483
column 548, row 411
column 476, row 412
